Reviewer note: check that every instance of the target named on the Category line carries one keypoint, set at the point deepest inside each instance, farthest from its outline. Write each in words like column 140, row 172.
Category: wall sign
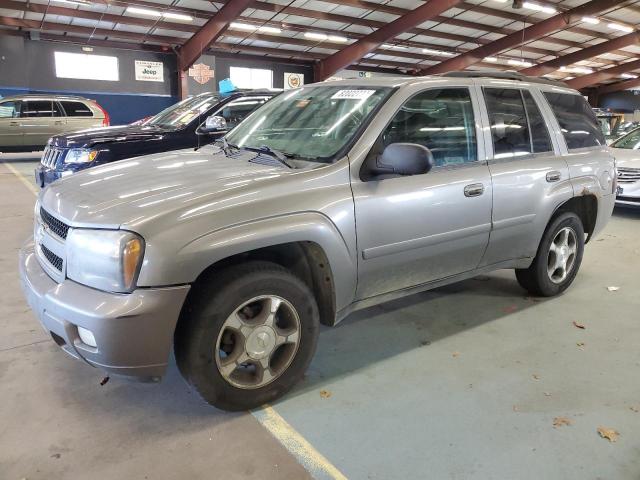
column 293, row 80
column 201, row 73
column 149, row 71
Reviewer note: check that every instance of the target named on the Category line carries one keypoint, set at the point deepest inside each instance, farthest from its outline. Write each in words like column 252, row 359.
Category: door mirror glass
column 400, row 159
column 213, row 124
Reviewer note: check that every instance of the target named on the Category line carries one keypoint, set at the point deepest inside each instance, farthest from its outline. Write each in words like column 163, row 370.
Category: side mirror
column 400, row 159
column 213, row 124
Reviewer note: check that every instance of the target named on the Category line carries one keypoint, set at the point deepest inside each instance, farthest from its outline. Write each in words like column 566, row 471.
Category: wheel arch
column 585, row 207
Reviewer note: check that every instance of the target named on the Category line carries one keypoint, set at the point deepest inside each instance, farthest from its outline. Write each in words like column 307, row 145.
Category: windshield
column 182, row 113
column 630, row 141
column 311, row 123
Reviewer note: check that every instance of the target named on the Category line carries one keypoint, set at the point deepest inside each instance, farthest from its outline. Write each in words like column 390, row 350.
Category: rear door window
column 37, row 108
column 540, row 140
column 9, row 109
column 577, row 120
column 76, row 109
column 440, row 119
column 508, row 120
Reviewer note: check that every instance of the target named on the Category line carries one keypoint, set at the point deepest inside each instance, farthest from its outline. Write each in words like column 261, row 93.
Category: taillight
column 106, row 120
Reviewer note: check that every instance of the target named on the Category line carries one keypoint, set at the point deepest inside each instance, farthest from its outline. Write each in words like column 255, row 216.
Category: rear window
column 577, row 120
column 76, row 109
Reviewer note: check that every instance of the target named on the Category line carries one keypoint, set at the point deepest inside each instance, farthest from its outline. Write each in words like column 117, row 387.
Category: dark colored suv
column 193, row 122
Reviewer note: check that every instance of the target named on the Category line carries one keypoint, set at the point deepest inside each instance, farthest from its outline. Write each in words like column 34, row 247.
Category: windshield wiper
column 277, row 154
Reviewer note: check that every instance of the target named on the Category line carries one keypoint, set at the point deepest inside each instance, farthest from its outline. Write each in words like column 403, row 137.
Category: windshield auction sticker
column 352, row 94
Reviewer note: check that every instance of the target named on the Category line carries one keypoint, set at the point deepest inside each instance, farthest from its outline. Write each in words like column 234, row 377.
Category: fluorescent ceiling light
column 393, row 47
column 74, row 2
column 591, row 20
column 576, row 69
column 242, row 26
column 491, row 59
column 629, row 75
column 268, row 29
column 322, row 37
column 519, row 63
column 159, row 14
column 622, row 28
column 539, row 8
column 440, row 53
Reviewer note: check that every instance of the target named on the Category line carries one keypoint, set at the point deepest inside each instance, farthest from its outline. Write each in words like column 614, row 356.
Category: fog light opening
column 87, row 337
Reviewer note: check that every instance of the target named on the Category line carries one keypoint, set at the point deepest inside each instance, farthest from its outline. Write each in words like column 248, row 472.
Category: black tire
column 209, row 305
column 535, row 279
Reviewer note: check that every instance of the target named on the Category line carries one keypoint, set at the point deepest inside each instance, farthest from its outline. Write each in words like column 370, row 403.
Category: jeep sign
column 149, row 71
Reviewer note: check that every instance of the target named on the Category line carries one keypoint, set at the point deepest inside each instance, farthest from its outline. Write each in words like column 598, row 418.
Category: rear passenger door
column 530, row 176
column 37, row 119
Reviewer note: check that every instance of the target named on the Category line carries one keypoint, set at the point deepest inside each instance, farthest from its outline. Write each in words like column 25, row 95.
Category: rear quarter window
column 577, row 120
column 76, row 109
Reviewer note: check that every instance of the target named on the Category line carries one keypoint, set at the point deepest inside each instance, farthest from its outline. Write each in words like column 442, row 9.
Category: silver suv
column 28, row 121
column 327, row 199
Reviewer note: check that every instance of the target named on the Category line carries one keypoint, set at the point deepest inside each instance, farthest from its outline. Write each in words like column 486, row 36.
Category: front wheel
column 558, row 258
column 247, row 336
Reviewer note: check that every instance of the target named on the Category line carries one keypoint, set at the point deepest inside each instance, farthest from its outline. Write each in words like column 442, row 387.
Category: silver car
column 28, row 121
column 327, row 199
column 627, row 153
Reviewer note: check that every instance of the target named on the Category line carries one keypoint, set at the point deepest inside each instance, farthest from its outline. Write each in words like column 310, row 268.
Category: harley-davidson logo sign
column 201, row 73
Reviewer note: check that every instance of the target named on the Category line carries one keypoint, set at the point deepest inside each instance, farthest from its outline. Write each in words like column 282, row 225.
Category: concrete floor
column 462, row 382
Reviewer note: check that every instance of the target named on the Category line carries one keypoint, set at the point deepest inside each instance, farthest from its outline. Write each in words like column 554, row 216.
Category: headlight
column 104, row 259
column 80, row 155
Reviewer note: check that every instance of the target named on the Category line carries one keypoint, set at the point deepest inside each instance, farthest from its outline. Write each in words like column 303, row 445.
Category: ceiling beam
column 354, row 52
column 209, row 32
column 616, row 87
column 528, row 34
column 598, row 77
column 584, row 54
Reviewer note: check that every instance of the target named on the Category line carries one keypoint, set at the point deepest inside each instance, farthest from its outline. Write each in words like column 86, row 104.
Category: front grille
column 52, row 258
column 628, row 175
column 51, row 156
column 56, row 226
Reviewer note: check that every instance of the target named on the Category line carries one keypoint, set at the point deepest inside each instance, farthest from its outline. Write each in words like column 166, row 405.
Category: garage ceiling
column 312, row 30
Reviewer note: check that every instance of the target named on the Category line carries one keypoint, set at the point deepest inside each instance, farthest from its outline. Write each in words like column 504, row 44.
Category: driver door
column 413, row 230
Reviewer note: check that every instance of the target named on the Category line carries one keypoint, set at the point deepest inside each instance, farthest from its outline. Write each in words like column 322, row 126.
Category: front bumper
column 628, row 195
column 133, row 332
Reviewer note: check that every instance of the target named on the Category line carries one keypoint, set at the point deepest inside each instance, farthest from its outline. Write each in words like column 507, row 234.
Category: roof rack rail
column 504, row 76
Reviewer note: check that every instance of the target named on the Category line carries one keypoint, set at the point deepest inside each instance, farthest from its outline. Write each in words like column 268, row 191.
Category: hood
column 626, row 158
column 128, row 193
column 95, row 136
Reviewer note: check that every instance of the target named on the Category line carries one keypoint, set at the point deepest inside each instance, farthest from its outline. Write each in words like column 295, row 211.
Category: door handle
column 58, row 122
column 14, row 124
column 553, row 176
column 474, row 190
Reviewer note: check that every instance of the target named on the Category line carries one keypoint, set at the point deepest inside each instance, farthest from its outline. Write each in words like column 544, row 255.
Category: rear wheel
column 247, row 336
column 558, row 258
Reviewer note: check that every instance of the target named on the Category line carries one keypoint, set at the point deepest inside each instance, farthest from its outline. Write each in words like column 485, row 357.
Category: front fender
column 196, row 256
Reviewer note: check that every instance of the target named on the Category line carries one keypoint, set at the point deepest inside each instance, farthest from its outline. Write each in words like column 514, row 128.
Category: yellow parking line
column 22, row 178
column 312, row 460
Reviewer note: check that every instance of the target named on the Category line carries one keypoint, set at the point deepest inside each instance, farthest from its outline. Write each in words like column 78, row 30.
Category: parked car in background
column 627, row 153
column 182, row 125
column 330, row 198
column 28, row 121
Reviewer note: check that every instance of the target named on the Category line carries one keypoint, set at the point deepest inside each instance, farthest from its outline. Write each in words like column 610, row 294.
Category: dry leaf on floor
column 613, row 289
column 561, row 421
column 455, row 354
column 608, row 433
column 325, row 393
column 515, row 408
column 510, row 309
column 547, row 394
column 580, row 344
column 536, row 376
column 634, row 409
column 579, row 325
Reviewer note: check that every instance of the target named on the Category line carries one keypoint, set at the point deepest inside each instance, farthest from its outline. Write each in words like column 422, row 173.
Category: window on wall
column 86, row 67
column 243, row 77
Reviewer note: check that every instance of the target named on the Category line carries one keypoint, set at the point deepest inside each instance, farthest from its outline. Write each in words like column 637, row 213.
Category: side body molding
column 194, row 257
